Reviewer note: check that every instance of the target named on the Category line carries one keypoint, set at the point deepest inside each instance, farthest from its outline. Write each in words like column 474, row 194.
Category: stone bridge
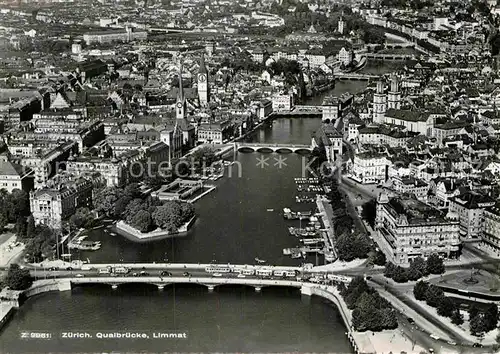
column 269, row 147
column 209, row 282
column 390, row 56
column 354, row 76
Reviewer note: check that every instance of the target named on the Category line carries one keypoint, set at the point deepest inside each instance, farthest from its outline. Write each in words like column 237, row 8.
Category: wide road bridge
column 209, row 281
column 271, row 147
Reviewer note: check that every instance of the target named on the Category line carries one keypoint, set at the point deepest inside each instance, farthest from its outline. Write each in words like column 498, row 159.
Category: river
column 237, row 222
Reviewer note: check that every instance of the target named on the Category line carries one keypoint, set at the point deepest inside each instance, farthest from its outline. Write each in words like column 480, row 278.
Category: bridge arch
column 246, row 149
column 265, row 150
column 284, row 150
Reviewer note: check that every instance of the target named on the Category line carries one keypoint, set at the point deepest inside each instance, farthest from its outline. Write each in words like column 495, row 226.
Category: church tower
column 341, row 24
column 394, row 96
column 379, row 103
column 202, row 79
column 180, row 106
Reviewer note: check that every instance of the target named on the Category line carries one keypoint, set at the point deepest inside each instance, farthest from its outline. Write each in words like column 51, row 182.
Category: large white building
column 283, row 102
column 469, row 207
column 409, row 228
column 109, row 36
column 369, row 168
column 491, row 228
column 60, row 199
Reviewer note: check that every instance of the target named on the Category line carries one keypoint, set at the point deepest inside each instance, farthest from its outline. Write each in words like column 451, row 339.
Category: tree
column 106, row 199
column 356, row 288
column 17, row 278
column 491, row 316
column 30, row 227
column 390, row 270
column 133, row 208
column 446, row 307
column 387, row 319
column 141, row 221
column 435, row 264
column 379, row 258
column 369, row 212
column 420, row 266
column 456, row 317
column 82, row 218
column 434, row 296
column 3, row 221
column 350, row 247
column 167, row 217
column 21, row 227
column 474, row 310
column 203, row 157
column 400, row 275
column 420, row 290
column 477, row 324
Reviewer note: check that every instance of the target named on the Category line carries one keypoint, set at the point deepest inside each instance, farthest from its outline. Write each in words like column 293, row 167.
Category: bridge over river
column 270, row 147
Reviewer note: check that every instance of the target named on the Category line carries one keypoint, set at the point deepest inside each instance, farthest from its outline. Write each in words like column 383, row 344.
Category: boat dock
column 296, row 215
column 303, row 180
column 326, row 212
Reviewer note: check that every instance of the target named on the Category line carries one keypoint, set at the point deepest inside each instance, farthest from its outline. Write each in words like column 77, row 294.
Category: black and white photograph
column 250, row 176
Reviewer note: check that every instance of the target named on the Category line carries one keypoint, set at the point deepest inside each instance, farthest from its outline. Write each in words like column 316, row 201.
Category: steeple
column 203, row 68
column 180, row 95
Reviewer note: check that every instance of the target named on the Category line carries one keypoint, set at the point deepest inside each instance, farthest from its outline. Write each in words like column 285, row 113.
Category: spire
column 180, row 95
column 203, row 68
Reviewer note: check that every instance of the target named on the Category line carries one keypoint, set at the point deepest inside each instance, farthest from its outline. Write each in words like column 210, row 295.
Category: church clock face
column 202, row 78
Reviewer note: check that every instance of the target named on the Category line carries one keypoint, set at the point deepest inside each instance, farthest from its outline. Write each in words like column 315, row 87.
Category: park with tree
column 144, row 213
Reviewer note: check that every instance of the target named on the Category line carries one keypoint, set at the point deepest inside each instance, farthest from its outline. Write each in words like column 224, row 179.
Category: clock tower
column 202, row 79
column 180, row 105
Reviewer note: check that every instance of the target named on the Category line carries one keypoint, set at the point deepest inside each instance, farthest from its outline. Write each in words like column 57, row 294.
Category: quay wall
column 148, row 236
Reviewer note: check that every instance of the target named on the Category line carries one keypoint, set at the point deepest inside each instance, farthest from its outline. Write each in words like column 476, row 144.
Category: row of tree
column 370, row 311
column 434, row 296
column 481, row 320
column 349, row 244
column 418, row 268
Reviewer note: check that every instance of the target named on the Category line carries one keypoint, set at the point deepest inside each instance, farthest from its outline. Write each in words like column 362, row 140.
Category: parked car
column 135, row 274
column 143, row 273
column 69, row 268
column 411, row 320
column 217, row 274
column 80, row 275
column 186, row 274
column 53, row 268
column 477, row 345
column 165, row 273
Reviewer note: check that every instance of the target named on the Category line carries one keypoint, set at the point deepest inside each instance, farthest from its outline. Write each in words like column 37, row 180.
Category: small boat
column 258, row 260
column 270, row 209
